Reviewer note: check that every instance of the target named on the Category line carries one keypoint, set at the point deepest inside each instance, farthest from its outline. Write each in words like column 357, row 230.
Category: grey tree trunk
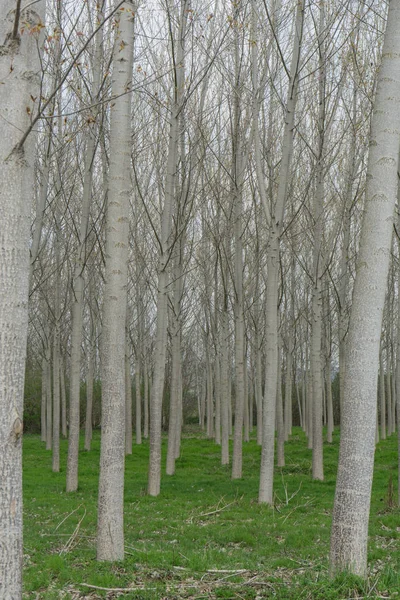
column 154, row 477
column 110, row 532
column 237, row 197
column 138, row 400
column 273, row 259
column 89, row 390
column 316, row 330
column 43, row 400
column 146, row 401
column 356, row 459
column 64, row 428
column 19, row 74
column 78, row 282
column 128, row 395
column 382, row 395
column 49, row 399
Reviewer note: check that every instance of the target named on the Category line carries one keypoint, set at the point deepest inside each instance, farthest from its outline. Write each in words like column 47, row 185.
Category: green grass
column 205, row 536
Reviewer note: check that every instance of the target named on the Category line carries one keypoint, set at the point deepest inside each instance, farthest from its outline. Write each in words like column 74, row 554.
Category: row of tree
column 199, row 175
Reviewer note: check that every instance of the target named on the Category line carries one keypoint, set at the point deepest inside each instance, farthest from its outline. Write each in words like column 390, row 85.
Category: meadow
column 205, row 536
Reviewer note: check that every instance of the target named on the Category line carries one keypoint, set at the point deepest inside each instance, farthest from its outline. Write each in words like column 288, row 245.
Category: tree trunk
column 110, row 532
column 138, row 397
column 357, row 444
column 78, row 282
column 382, row 395
column 128, row 396
column 273, row 260
column 160, row 354
column 43, row 401
column 19, row 74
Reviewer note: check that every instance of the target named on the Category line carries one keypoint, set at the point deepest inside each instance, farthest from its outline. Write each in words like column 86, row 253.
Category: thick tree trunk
column 110, row 532
column 356, row 460
column 19, row 74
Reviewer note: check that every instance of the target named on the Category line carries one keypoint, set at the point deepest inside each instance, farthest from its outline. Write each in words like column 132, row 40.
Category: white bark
column 43, row 401
column 273, row 253
column 357, row 444
column 64, row 430
column 154, row 477
column 49, row 400
column 128, row 396
column 382, row 395
column 19, row 74
column 316, row 329
column 138, row 400
column 110, row 534
column 78, row 282
column 89, row 389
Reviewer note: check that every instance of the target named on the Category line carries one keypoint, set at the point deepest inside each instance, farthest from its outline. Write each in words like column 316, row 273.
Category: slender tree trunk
column 224, row 381
column 64, row 429
column 316, row 330
column 89, row 390
column 382, row 395
column 237, row 183
column 138, row 397
column 43, row 401
column 209, row 399
column 273, row 259
column 49, row 400
column 78, row 282
column 154, row 477
column 128, row 396
column 56, row 401
column 146, row 401
column 280, row 454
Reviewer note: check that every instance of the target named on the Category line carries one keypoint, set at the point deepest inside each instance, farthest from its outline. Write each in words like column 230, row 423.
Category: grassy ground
column 205, row 537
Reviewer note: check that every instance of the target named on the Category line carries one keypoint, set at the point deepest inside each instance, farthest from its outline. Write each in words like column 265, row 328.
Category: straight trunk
column 357, row 444
column 19, row 74
column 110, row 526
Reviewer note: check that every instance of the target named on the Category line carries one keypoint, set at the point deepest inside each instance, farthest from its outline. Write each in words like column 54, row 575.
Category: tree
column 358, row 425
column 20, row 37
column 110, row 534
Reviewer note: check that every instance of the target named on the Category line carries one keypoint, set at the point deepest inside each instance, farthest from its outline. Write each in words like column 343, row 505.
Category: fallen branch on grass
column 71, row 540
column 126, row 589
column 212, row 512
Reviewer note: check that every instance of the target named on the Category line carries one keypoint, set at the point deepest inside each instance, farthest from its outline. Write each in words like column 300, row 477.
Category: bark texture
column 110, row 534
column 357, row 444
column 19, row 75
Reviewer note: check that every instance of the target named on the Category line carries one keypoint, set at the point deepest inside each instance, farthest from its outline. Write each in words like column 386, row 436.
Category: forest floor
column 205, row 537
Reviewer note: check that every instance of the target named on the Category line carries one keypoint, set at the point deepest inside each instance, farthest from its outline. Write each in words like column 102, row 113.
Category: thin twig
column 214, row 512
column 71, row 540
column 63, row 521
column 106, row 589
